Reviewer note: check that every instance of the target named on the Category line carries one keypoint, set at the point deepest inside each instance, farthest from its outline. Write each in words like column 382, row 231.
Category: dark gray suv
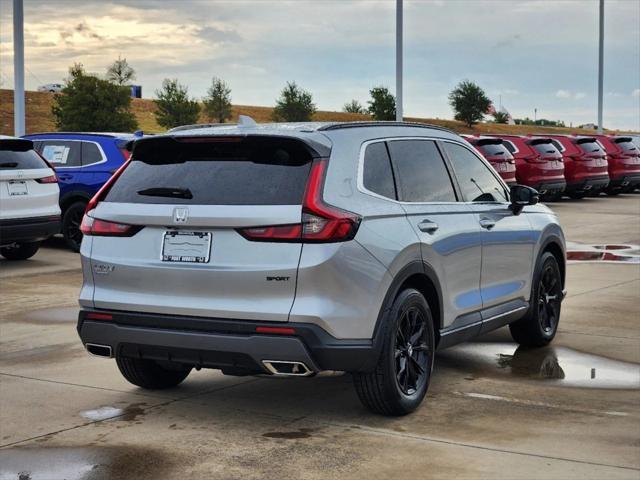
column 289, row 249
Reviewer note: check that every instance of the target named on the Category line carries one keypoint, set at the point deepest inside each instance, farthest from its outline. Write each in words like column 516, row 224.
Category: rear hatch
column 629, row 150
column 494, row 150
column 548, row 155
column 28, row 186
column 593, row 154
column 188, row 200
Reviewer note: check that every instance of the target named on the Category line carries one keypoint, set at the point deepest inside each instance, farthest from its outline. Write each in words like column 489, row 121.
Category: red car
column 538, row 164
column 623, row 158
column 585, row 164
column 497, row 155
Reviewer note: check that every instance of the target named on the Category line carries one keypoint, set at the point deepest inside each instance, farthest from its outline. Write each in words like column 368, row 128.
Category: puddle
column 607, row 253
column 554, row 365
column 48, row 316
column 43, row 355
column 107, row 412
column 58, row 463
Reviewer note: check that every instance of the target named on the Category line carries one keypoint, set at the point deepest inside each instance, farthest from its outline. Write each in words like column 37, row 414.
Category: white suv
column 29, row 210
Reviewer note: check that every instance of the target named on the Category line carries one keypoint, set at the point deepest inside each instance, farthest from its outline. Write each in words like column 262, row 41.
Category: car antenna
column 246, row 121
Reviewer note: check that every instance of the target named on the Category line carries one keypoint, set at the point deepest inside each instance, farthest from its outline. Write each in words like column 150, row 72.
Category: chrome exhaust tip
column 285, row 368
column 103, row 351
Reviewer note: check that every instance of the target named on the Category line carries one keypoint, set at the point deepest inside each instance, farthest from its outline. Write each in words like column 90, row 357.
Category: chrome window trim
column 102, row 154
column 360, row 174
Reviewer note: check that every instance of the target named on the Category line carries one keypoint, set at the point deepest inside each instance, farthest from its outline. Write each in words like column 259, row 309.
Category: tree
column 500, row 117
column 88, row 103
column 294, row 105
column 120, row 72
column 217, row 103
column 382, row 105
column 174, row 107
column 354, row 106
column 469, row 102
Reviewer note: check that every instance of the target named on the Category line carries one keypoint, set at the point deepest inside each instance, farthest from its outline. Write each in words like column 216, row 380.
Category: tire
column 71, row 221
column 613, row 192
column 539, row 326
column 21, row 251
column 150, row 374
column 576, row 195
column 386, row 390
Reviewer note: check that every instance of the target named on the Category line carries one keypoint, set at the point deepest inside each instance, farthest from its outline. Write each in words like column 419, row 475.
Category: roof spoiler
column 488, row 141
column 539, row 141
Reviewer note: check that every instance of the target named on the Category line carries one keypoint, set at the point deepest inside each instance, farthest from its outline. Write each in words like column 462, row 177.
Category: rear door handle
column 65, row 177
column 487, row 223
column 428, row 226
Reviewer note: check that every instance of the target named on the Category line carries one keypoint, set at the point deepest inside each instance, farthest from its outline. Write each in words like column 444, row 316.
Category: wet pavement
column 494, row 409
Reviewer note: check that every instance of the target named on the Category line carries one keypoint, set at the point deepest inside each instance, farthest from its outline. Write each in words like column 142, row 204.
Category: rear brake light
column 49, row 179
column 99, row 196
column 321, row 223
column 276, row 330
column 103, row 228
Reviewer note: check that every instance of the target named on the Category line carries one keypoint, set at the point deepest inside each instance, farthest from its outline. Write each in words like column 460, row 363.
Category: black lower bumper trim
column 28, row 229
column 223, row 343
column 589, row 185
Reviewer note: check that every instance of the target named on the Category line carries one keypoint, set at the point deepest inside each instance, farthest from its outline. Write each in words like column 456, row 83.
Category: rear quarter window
column 377, row 174
column 253, row 171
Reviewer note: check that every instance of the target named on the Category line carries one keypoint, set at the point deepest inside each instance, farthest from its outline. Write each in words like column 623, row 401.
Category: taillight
column 321, row 223
column 104, row 228
column 49, row 179
column 125, row 153
column 99, row 196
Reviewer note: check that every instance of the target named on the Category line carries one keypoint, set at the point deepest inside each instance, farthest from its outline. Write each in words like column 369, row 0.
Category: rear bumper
column 630, row 180
column 550, row 188
column 589, row 185
column 230, row 345
column 28, row 229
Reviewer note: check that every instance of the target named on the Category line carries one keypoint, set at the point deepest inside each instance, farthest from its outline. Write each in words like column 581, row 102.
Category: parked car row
column 559, row 165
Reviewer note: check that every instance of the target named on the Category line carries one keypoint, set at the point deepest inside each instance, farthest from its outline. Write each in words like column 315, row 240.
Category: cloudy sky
column 533, row 53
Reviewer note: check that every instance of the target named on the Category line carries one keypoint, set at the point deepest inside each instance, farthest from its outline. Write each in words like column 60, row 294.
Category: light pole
column 600, row 66
column 398, row 60
column 18, row 68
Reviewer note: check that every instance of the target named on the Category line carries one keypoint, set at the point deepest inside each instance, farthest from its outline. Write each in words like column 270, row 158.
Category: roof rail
column 198, row 125
column 340, row 125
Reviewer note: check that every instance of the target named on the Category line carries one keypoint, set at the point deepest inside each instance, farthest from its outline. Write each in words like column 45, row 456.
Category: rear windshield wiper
column 167, row 192
column 9, row 165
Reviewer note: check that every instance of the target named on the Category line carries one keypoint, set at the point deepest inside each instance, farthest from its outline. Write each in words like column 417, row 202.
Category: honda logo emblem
column 180, row 215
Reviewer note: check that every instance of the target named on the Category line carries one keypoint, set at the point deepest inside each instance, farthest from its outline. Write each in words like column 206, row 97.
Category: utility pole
column 18, row 68
column 398, row 60
column 600, row 66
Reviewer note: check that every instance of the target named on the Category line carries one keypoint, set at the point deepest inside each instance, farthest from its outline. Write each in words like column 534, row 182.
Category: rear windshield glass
column 546, row 148
column 19, row 155
column 495, row 150
column 226, row 171
column 626, row 144
column 590, row 146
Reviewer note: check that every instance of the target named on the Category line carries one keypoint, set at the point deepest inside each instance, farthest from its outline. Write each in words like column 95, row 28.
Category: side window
column 558, row 145
column 510, row 146
column 420, row 171
column 61, row 153
column 377, row 175
column 90, row 153
column 477, row 182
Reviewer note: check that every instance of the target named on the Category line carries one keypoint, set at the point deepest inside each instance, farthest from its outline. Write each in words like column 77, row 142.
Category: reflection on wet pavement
column 82, row 463
column 556, row 365
column 107, row 412
column 616, row 253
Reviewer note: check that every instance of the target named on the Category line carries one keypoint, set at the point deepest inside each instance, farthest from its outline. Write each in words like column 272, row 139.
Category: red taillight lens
column 50, row 179
column 125, row 153
column 99, row 316
column 321, row 223
column 99, row 196
column 103, row 228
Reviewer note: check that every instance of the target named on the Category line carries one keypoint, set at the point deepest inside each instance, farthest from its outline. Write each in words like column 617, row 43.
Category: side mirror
column 521, row 196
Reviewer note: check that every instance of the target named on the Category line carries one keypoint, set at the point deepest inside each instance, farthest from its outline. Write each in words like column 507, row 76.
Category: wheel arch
column 554, row 246
column 72, row 197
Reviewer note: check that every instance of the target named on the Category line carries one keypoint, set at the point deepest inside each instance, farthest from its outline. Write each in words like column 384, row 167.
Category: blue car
column 83, row 162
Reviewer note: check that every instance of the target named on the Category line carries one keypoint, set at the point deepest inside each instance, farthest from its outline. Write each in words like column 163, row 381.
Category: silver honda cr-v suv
column 289, row 249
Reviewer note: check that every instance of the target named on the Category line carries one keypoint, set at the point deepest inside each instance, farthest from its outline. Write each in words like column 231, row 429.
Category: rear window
column 589, row 146
column 223, row 171
column 495, row 150
column 626, row 144
column 19, row 155
column 545, row 148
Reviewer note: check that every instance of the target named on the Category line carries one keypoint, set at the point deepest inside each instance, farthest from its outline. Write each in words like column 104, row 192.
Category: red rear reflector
column 99, row 316
column 276, row 330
